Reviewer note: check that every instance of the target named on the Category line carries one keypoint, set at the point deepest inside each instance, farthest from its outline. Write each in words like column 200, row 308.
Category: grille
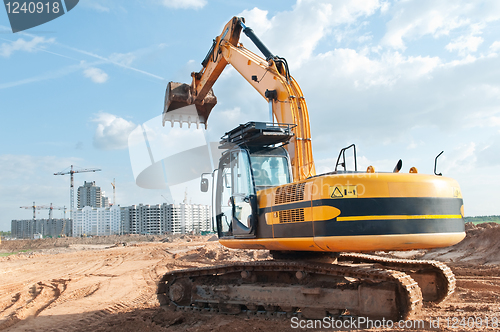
column 291, row 193
column 294, row 215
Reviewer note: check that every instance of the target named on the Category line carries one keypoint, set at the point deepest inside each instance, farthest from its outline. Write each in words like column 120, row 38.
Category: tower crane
column 114, row 191
column 34, row 207
column 72, row 187
column 50, row 208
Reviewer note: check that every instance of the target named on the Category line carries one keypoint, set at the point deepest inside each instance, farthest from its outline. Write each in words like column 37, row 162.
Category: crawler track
column 435, row 279
column 293, row 288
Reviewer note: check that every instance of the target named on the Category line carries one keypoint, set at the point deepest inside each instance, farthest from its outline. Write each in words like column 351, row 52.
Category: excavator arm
column 270, row 77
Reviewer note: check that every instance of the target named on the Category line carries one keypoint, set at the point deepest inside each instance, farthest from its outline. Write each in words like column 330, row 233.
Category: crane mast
column 72, row 186
column 51, row 208
column 34, row 207
column 114, row 191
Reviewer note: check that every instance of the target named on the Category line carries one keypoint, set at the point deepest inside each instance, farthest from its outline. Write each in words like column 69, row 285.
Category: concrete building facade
column 26, row 229
column 104, row 200
column 187, row 218
column 135, row 219
column 91, row 195
column 97, row 221
column 144, row 219
column 167, row 219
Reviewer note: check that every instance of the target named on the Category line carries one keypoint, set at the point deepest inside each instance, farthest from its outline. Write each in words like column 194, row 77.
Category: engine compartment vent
column 291, row 193
column 294, row 215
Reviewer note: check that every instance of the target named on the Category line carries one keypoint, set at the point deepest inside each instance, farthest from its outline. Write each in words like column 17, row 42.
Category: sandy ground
column 108, row 284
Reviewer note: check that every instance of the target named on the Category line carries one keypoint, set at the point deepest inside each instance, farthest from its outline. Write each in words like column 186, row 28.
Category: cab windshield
column 270, row 171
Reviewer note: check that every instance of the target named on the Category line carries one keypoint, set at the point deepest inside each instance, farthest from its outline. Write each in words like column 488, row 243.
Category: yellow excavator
column 318, row 228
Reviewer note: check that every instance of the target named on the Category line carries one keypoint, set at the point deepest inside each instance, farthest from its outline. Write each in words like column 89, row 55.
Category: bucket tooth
column 177, row 99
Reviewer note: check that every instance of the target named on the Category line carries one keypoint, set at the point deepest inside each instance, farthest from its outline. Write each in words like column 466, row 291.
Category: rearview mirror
column 204, row 185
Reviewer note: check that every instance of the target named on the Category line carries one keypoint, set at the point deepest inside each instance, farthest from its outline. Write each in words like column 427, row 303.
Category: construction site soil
column 109, row 283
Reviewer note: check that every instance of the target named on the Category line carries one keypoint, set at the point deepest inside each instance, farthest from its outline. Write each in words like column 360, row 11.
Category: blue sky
column 401, row 79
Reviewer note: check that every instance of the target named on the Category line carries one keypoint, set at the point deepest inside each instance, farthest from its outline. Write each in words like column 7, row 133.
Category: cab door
column 223, row 198
column 244, row 199
column 236, row 201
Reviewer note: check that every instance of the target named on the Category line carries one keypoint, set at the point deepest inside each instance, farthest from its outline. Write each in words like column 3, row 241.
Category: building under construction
column 91, row 195
column 166, row 219
column 97, row 221
column 29, row 229
column 155, row 219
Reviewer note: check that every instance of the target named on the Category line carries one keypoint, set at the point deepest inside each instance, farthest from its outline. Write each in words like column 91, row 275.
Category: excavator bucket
column 180, row 105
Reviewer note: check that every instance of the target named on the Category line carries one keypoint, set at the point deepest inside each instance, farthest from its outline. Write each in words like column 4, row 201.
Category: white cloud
column 384, row 6
column 36, row 43
column 257, row 18
column 363, row 71
column 95, row 74
column 388, row 92
column 46, row 76
column 461, row 160
column 388, row 95
column 414, row 19
column 97, row 5
column 490, row 155
column 28, row 178
column 495, row 47
column 184, row 4
column 465, row 44
column 112, row 132
column 124, row 59
column 295, row 34
column 23, row 167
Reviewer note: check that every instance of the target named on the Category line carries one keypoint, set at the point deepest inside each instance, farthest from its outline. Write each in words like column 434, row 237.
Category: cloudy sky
column 401, row 79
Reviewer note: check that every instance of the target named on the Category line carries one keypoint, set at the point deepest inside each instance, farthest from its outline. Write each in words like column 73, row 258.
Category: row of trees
column 479, row 219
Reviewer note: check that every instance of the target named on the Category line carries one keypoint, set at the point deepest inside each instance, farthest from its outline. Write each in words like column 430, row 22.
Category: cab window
column 270, row 171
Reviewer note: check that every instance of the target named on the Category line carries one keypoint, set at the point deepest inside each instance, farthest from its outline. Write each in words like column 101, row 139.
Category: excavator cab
column 241, row 174
column 254, row 160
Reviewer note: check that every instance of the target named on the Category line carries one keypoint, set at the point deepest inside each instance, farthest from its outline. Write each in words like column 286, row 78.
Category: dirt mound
column 480, row 246
column 218, row 254
column 14, row 245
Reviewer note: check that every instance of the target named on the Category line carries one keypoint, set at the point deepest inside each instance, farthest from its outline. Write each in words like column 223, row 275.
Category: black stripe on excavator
column 394, row 206
column 293, row 229
column 384, row 206
column 367, row 227
column 386, row 227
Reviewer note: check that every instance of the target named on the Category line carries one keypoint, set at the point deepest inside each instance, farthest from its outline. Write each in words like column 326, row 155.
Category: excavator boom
column 199, row 93
column 269, row 76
